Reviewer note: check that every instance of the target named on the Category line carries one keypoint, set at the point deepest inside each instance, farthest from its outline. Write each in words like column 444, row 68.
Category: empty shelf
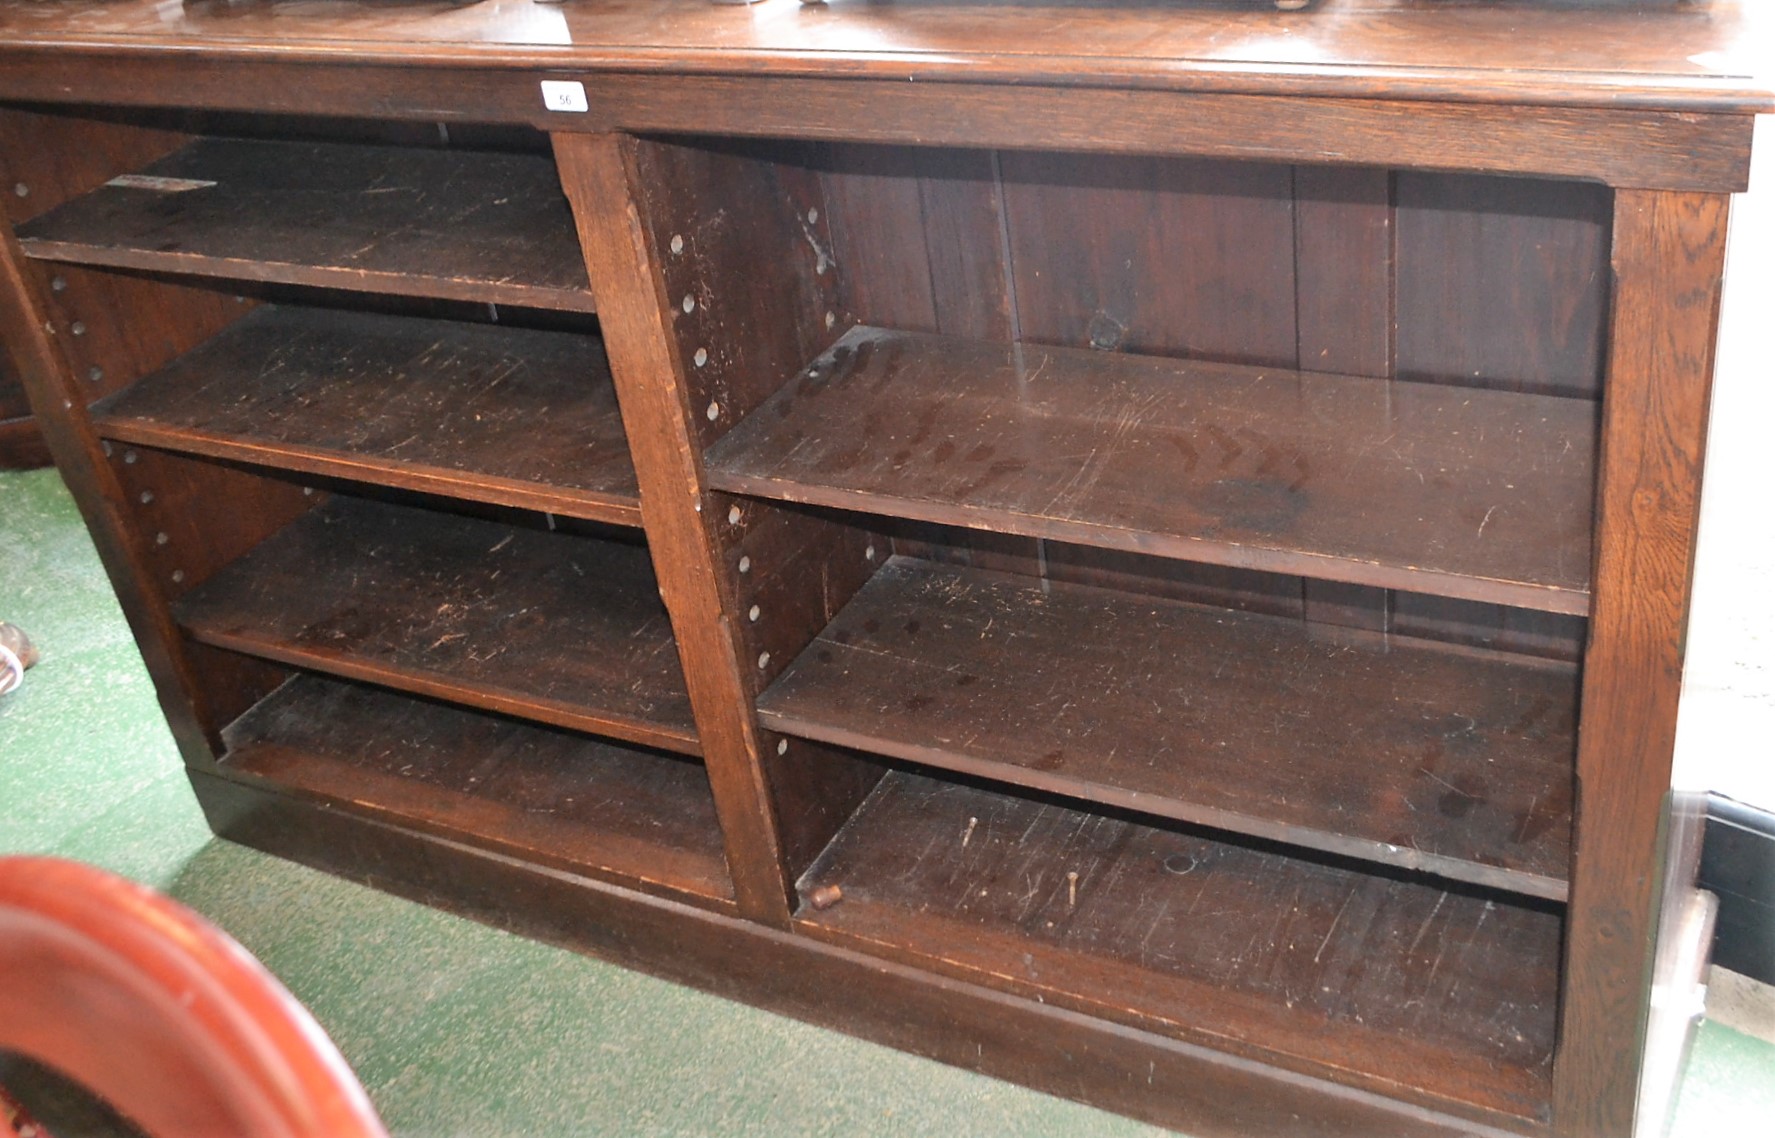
column 548, row 626
column 1482, row 495
column 492, row 413
column 549, row 796
column 1409, row 754
column 447, row 224
column 1444, row 998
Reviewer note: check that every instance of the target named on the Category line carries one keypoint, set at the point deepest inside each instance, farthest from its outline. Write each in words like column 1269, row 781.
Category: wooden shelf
column 1435, row 996
column 552, row 627
column 1458, row 492
column 548, row 796
column 447, row 224
column 490, row 413
column 1405, row 753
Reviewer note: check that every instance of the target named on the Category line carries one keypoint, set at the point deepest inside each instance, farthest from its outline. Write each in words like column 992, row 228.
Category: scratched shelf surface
column 642, row 819
column 1406, row 753
column 1436, row 996
column 559, row 628
column 492, row 413
column 446, row 224
column 1480, row 495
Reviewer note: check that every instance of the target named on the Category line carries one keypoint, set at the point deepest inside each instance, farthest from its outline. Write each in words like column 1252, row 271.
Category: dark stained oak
column 445, row 224
column 553, row 797
column 558, row 628
column 627, row 257
column 1474, row 494
column 1690, row 151
column 1131, row 254
column 1197, row 1089
column 1668, row 257
column 21, row 443
column 1520, row 196
column 1435, row 996
column 1406, row 754
column 1477, row 254
column 1653, row 53
column 1344, row 236
column 751, row 279
column 492, row 413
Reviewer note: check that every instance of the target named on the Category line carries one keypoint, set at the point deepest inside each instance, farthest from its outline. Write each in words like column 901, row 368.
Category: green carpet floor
column 456, row 1028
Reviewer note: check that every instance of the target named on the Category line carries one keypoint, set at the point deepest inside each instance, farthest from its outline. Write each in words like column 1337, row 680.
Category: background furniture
column 149, row 1005
column 21, row 445
column 1157, row 572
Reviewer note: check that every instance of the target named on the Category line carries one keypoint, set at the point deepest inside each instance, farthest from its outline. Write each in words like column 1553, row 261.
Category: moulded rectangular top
column 1717, row 55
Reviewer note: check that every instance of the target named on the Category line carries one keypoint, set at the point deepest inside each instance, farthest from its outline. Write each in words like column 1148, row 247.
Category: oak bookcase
column 1156, row 578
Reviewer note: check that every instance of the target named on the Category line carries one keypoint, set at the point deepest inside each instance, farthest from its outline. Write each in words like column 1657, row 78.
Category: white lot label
column 564, row 95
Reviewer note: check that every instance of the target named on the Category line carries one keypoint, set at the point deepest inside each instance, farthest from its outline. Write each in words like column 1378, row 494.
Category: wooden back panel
column 1487, row 282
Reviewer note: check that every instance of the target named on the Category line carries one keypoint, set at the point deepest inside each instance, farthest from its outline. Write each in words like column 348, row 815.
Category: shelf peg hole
column 147, row 496
column 78, row 327
column 129, row 457
column 733, row 515
column 161, row 538
column 677, row 243
column 178, row 576
column 745, row 564
column 813, row 217
column 689, row 303
column 831, row 320
column 764, row 659
column 21, row 190
column 308, row 491
column 1180, row 863
column 95, row 373
column 869, row 553
column 782, row 746
column 106, row 444
column 753, row 613
column 714, row 412
column 58, row 284
column 701, row 357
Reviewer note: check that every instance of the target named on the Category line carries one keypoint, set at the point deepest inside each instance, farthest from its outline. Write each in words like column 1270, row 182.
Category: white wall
column 1726, row 726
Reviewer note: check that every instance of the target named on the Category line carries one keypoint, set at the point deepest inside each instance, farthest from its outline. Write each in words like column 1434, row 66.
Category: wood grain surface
column 591, row 806
column 554, row 627
column 605, row 178
column 1434, row 996
column 491, row 413
column 1405, row 754
column 453, row 225
column 1657, row 53
column 1418, row 242
column 1669, row 252
column 1465, row 493
column 1197, row 1089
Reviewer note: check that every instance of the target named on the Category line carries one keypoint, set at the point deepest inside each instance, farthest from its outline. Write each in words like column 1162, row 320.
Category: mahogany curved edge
column 161, row 1013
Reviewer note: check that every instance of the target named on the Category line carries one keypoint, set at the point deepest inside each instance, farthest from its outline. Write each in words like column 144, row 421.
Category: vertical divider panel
column 713, row 272
column 1669, row 252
